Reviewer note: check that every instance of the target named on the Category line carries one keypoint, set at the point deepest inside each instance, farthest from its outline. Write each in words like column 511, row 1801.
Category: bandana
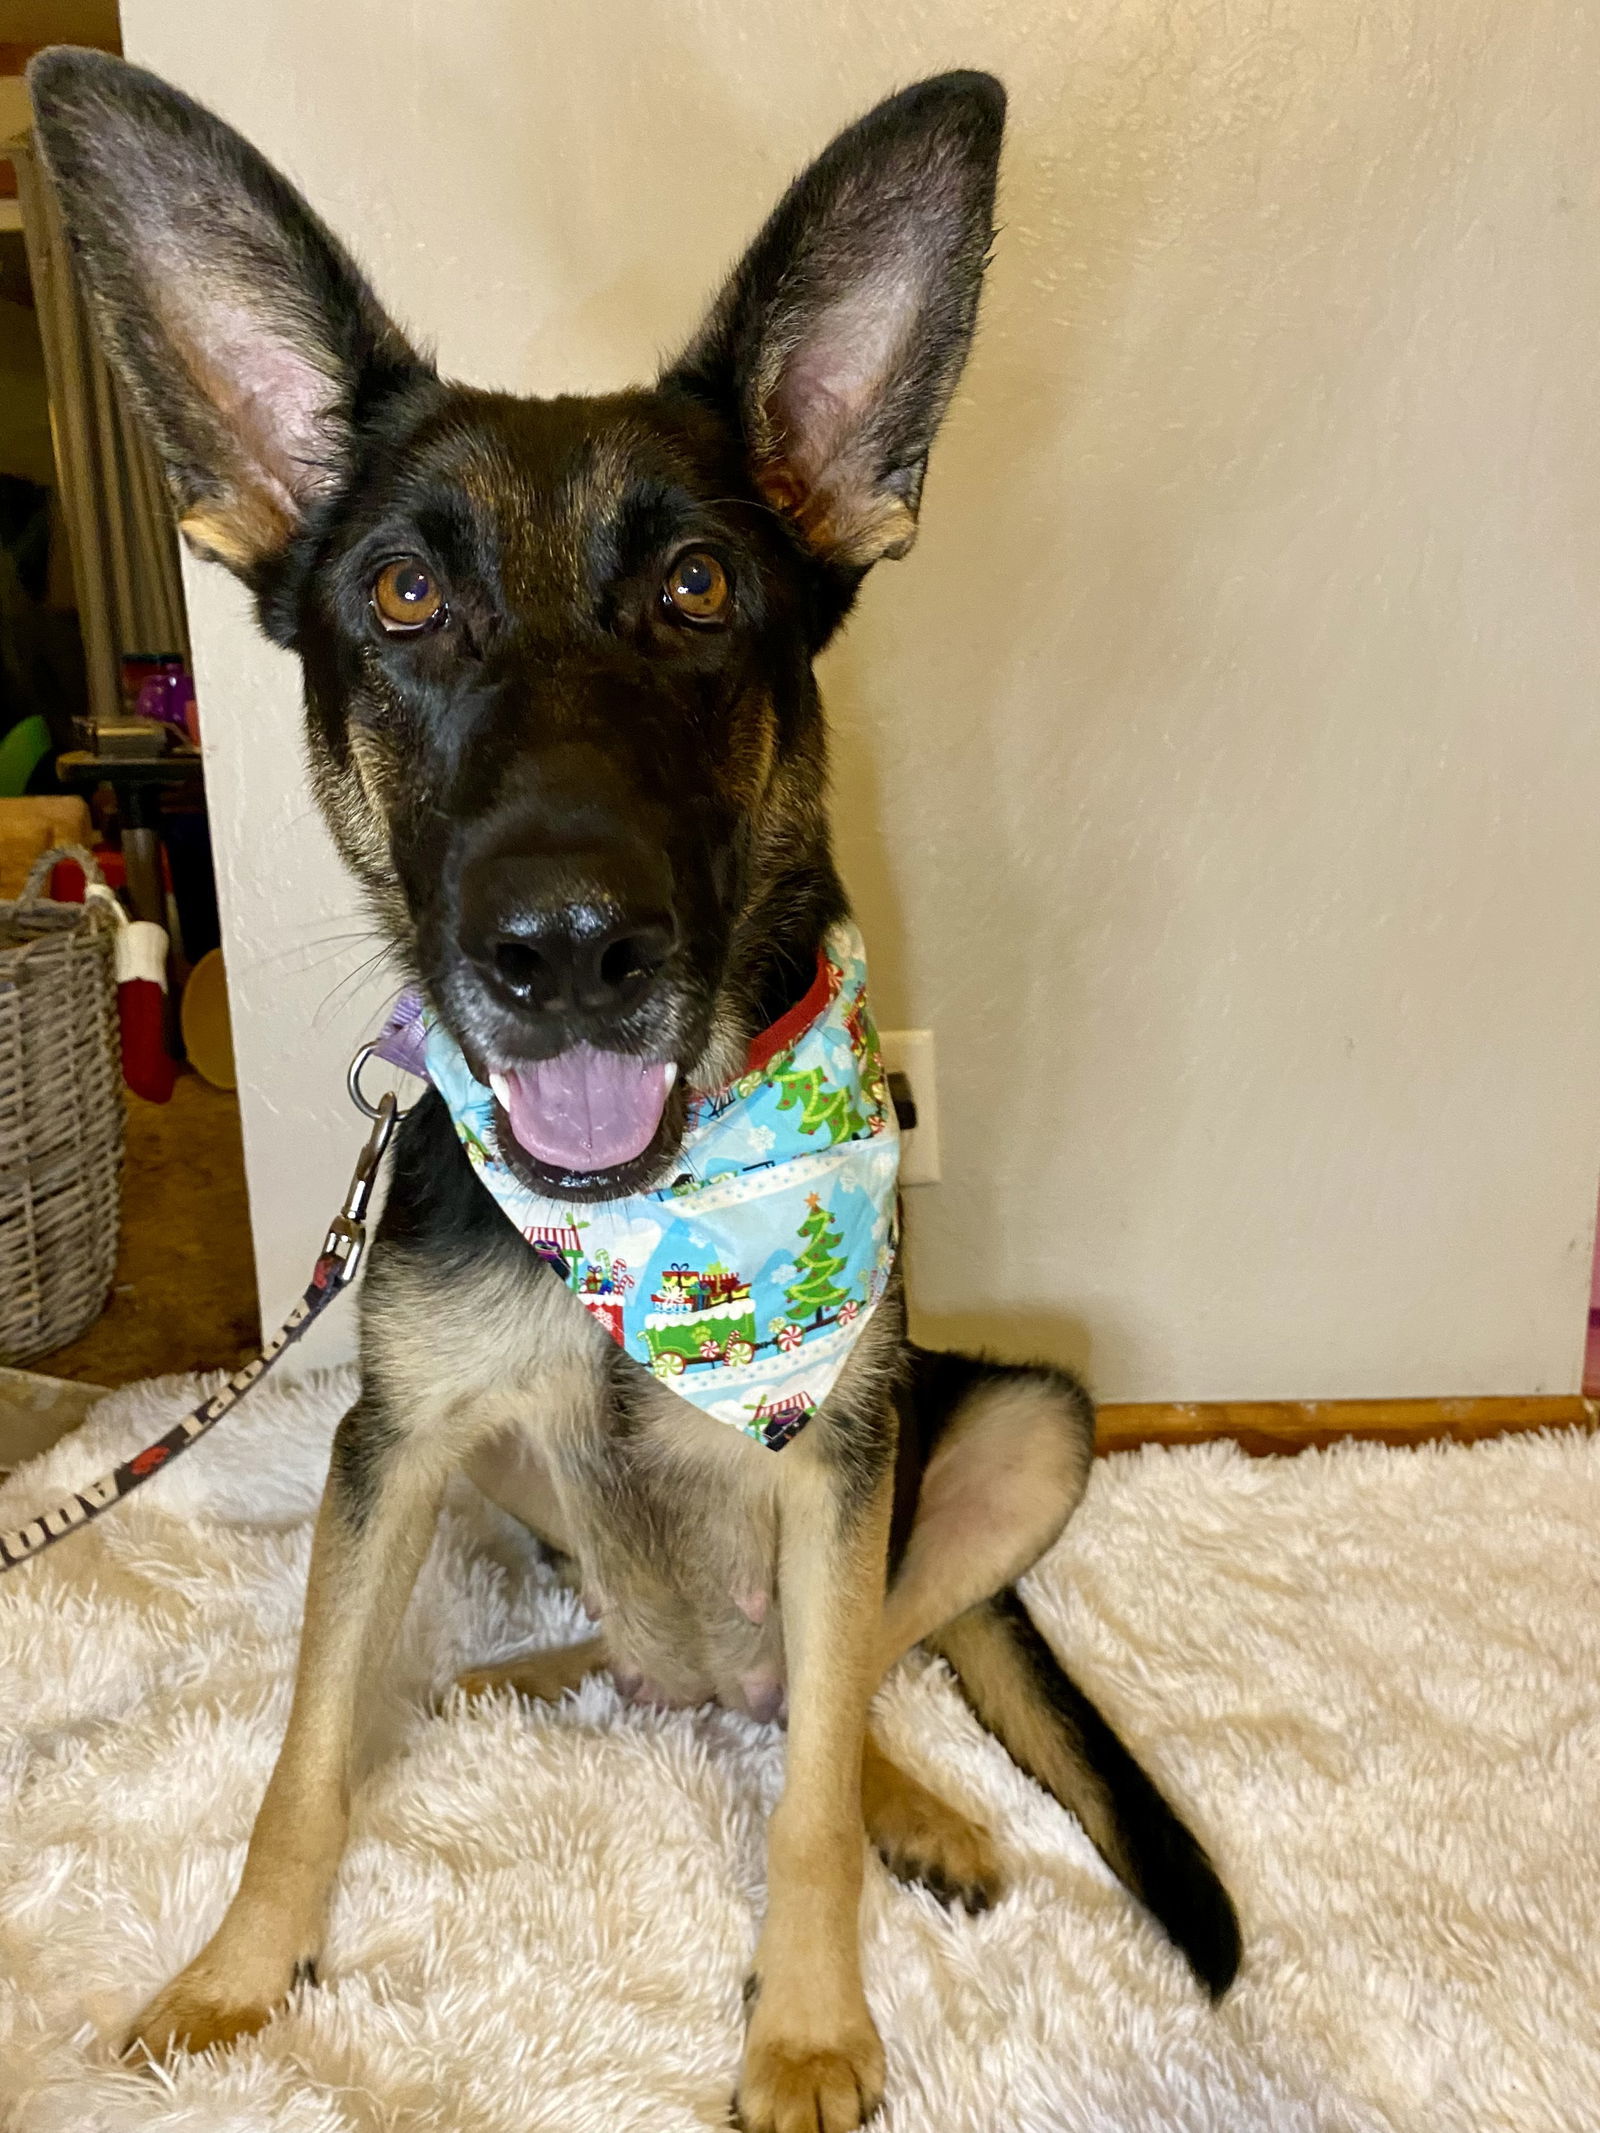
column 746, row 1282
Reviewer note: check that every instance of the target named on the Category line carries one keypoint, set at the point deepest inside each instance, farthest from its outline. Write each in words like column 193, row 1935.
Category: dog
column 563, row 724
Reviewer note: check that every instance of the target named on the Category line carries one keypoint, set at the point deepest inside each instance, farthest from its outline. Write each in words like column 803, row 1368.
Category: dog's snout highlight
column 554, row 965
column 566, row 939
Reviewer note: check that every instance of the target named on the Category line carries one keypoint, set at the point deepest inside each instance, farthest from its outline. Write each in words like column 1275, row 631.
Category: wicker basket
column 60, row 1113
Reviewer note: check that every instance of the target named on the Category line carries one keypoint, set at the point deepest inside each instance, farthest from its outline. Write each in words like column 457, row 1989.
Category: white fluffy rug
column 1372, row 1679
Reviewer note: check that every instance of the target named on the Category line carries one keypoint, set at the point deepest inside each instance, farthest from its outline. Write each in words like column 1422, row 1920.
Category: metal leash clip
column 346, row 1242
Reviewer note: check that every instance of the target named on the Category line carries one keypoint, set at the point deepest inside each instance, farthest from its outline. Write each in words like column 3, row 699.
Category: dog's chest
column 679, row 1554
column 669, row 1521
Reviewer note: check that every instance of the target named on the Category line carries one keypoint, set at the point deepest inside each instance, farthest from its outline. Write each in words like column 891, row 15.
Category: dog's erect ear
column 239, row 326
column 838, row 340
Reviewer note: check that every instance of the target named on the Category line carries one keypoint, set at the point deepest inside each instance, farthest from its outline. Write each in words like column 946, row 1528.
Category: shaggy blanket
column 1370, row 1678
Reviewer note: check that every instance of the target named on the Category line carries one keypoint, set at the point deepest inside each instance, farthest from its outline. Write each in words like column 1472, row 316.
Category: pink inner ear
column 833, row 379
column 271, row 400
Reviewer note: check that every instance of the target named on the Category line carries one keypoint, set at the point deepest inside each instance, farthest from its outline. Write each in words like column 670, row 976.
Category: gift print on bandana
column 746, row 1282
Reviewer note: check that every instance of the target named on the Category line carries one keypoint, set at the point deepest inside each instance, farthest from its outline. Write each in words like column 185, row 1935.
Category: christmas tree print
column 478, row 1153
column 821, row 1106
column 815, row 1292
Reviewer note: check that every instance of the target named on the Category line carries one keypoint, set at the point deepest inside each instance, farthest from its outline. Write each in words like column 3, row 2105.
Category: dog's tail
column 1022, row 1695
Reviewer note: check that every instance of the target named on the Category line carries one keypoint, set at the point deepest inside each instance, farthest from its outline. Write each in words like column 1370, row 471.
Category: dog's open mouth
column 586, row 1115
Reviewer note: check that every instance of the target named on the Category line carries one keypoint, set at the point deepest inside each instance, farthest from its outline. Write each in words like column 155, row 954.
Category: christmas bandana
column 745, row 1283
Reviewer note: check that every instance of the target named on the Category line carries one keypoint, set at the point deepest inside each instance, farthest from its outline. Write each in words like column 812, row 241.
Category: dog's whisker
column 352, row 982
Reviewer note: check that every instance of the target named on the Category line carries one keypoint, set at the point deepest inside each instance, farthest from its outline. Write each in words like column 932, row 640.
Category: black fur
column 1158, row 1858
column 365, row 1441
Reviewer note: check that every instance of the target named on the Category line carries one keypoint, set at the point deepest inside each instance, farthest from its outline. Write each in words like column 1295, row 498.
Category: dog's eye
column 406, row 597
column 697, row 587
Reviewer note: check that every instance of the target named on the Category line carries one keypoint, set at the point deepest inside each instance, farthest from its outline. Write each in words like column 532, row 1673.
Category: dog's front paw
column 797, row 2085
column 213, row 2003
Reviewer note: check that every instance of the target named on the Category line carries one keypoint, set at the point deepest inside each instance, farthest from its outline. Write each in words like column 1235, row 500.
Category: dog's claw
column 952, row 1857
column 811, row 2089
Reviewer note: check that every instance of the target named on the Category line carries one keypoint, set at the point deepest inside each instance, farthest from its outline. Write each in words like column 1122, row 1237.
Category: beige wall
column 1220, row 777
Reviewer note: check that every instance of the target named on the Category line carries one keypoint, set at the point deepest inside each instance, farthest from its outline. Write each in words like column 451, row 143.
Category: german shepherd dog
column 562, row 721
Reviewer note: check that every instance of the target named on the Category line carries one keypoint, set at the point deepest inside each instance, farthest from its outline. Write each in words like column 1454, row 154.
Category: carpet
column 1371, row 1678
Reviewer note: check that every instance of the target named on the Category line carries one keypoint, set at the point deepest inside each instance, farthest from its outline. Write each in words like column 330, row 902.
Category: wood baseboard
column 1268, row 1426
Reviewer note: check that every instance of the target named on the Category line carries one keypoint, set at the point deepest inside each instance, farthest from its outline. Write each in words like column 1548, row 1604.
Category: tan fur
column 923, row 1838
column 378, row 775
column 711, row 1563
column 1002, row 1482
column 920, row 1837
column 1008, row 1703
column 716, row 1569
column 812, row 2054
column 237, row 531
column 541, row 1677
column 747, row 774
column 851, row 523
column 356, row 1594
column 346, row 795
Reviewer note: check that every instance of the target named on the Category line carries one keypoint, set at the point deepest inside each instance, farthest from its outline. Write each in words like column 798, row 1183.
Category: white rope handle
column 39, row 872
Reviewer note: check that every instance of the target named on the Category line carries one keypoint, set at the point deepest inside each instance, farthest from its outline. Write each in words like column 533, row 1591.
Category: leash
column 337, row 1264
column 781, row 1408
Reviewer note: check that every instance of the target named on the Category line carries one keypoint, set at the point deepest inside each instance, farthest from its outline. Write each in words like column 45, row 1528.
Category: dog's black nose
column 564, row 939
column 558, row 962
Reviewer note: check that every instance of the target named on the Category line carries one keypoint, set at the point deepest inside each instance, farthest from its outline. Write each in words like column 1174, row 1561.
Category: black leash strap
column 336, row 1266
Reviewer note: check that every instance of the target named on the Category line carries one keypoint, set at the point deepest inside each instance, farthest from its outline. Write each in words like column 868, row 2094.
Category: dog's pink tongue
column 586, row 1110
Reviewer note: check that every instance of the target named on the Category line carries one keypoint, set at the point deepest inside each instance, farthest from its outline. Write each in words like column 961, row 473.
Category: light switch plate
column 910, row 1052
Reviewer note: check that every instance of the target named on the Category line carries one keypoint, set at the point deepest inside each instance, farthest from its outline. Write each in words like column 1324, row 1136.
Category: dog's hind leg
column 510, row 1472
column 378, row 1514
column 1005, row 1456
column 1008, row 1460
column 921, row 1837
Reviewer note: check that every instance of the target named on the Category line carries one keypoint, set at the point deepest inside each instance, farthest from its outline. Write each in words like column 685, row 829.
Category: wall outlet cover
column 910, row 1052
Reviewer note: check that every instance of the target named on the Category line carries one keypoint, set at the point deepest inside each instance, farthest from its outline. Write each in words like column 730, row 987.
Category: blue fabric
column 745, row 1284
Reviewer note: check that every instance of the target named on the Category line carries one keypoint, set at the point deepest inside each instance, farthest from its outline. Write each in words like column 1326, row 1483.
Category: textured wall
column 1219, row 777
